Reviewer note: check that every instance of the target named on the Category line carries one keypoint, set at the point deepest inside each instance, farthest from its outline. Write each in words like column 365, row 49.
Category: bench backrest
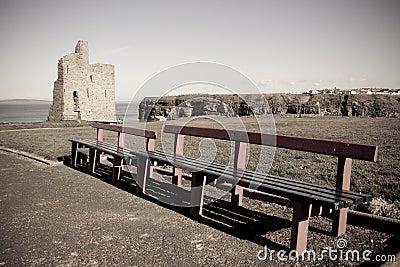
column 343, row 150
column 149, row 135
column 326, row 147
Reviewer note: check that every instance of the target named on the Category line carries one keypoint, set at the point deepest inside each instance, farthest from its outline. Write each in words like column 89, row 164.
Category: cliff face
column 172, row 107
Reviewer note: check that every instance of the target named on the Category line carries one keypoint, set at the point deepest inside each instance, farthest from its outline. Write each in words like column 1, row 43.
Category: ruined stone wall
column 83, row 91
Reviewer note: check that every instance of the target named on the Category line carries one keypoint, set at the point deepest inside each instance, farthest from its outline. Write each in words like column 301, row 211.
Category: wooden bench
column 119, row 153
column 308, row 199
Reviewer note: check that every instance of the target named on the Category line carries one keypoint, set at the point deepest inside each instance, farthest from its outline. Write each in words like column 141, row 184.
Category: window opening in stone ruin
column 87, row 91
column 67, row 68
column 91, row 78
column 76, row 101
column 105, row 93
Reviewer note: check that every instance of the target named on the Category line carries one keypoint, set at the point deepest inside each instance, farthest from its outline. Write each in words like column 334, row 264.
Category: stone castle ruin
column 83, row 91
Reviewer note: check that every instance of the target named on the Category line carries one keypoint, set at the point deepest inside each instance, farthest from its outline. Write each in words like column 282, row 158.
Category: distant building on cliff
column 83, row 91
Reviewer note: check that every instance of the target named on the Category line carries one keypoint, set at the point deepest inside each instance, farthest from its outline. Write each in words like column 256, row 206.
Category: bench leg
column 74, row 154
column 178, row 150
column 197, row 194
column 339, row 222
column 177, row 177
column 116, row 171
column 154, row 164
column 143, row 172
column 300, row 221
column 92, row 160
column 98, row 157
column 343, row 183
column 237, row 195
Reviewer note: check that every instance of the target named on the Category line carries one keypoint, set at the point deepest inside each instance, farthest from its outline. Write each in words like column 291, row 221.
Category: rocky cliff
column 172, row 107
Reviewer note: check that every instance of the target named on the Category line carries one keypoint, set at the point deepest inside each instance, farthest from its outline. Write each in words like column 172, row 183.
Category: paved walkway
column 34, row 129
column 57, row 216
column 54, row 215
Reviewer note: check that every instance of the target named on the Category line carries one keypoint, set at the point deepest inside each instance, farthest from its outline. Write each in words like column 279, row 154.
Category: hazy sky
column 280, row 45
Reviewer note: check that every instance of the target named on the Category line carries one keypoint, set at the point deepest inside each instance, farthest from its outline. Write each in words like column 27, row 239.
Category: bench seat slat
column 356, row 198
column 335, row 200
column 104, row 147
column 261, row 177
column 256, row 177
column 284, row 179
column 99, row 145
column 271, row 189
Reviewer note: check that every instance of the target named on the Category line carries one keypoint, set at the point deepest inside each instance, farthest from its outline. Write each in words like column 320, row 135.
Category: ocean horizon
column 38, row 112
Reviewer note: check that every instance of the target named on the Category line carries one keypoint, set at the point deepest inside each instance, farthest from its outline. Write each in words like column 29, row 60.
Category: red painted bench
column 119, row 153
column 308, row 199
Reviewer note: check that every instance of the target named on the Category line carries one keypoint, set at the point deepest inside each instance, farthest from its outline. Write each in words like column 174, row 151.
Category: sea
column 38, row 112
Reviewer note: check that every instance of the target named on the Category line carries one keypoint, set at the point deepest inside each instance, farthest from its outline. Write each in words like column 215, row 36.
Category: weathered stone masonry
column 83, row 91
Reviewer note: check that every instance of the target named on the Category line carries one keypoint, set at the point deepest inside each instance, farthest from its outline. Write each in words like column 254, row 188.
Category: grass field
column 379, row 179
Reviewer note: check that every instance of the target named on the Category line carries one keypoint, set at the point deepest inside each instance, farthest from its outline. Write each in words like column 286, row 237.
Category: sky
column 282, row 46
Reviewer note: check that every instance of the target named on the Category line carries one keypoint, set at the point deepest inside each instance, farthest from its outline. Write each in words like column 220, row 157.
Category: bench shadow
column 219, row 214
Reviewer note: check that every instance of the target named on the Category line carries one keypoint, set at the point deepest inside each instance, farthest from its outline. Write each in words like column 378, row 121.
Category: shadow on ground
column 219, row 214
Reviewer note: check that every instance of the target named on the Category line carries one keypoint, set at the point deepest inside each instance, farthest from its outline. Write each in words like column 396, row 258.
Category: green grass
column 378, row 179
